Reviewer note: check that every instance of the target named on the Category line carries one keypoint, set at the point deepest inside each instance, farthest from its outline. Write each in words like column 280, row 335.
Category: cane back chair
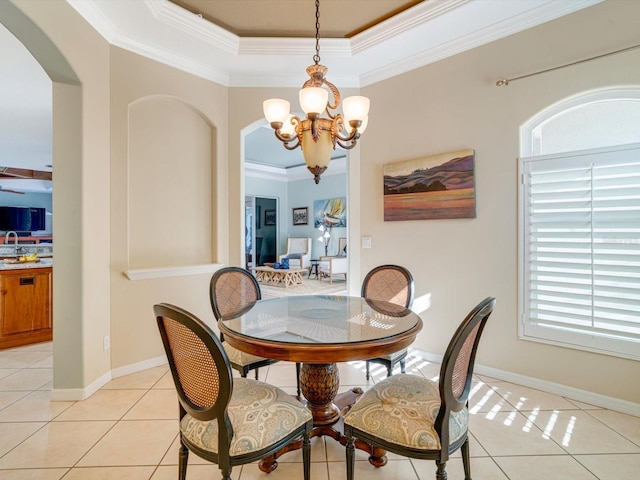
column 224, row 420
column 394, row 284
column 231, row 291
column 419, row 418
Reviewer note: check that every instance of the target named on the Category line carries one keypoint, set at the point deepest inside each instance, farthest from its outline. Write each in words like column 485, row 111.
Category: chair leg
column 441, row 474
column 350, row 453
column 389, row 369
column 257, row 373
column 306, row 453
column 368, row 375
column 403, row 366
column 298, row 366
column 466, row 459
column 183, row 456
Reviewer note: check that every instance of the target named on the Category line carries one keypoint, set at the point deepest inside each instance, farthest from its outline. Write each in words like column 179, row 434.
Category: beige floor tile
column 5, row 372
column 110, row 473
column 12, row 434
column 350, row 374
column 511, row 433
column 57, row 444
column 557, row 467
column 35, row 407
column 46, row 362
column 285, row 471
column 140, row 380
column 194, row 472
column 282, row 374
column 26, row 379
column 475, row 449
column 529, row 399
column 138, row 442
column 171, row 457
column 318, row 452
column 612, row 467
column 579, row 433
column 481, row 469
column 21, row 359
column 393, row 470
column 103, row 405
column 166, row 382
column 483, row 398
column 36, row 347
column 38, row 474
column 626, row 425
column 428, row 370
column 155, row 404
column 583, row 406
column 7, row 398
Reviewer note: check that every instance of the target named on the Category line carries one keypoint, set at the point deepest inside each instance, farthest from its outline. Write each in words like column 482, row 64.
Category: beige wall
column 453, row 105
column 168, row 146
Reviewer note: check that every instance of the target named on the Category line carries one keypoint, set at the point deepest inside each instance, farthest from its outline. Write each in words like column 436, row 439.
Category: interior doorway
column 261, row 230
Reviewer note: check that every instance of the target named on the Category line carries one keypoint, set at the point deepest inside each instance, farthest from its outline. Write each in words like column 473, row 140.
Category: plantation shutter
column 580, row 240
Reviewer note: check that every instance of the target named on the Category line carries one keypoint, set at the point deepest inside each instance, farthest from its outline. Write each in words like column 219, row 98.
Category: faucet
column 15, row 240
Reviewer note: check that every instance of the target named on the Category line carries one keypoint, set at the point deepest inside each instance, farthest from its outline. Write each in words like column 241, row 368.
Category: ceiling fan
column 9, row 190
column 11, row 172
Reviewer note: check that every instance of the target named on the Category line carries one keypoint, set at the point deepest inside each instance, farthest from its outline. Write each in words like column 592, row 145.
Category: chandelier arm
column 286, row 140
column 336, row 97
column 353, row 136
column 347, row 146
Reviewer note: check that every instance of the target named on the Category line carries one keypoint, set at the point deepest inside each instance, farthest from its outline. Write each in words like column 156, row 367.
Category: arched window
column 579, row 232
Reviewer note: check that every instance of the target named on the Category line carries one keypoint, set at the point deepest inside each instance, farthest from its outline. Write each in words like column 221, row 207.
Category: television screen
column 22, row 219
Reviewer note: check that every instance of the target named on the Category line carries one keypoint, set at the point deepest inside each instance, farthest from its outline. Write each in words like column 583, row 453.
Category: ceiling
column 361, row 41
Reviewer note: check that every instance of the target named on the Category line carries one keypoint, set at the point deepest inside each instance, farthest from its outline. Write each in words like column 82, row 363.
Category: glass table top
column 322, row 319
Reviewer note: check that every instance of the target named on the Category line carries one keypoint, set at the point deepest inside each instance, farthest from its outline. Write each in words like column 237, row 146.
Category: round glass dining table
column 319, row 331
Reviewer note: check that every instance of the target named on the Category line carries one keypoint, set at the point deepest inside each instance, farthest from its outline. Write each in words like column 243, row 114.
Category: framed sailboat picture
column 331, row 212
column 435, row 187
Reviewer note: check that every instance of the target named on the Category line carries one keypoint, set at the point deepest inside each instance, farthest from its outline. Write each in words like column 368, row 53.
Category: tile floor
column 128, row 431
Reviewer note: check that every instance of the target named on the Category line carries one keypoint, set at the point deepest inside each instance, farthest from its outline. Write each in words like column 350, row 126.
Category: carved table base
column 319, row 384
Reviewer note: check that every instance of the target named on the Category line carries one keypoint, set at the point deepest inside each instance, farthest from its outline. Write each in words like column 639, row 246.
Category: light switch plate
column 366, row 242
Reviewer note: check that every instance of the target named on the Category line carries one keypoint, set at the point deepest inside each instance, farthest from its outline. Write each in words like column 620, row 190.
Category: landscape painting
column 435, row 187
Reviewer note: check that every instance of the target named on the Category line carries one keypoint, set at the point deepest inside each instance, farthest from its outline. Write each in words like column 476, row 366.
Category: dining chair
column 412, row 416
column 224, row 420
column 394, row 284
column 231, row 291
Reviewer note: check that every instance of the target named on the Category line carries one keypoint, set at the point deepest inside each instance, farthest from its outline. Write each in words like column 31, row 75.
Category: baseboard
column 139, row 366
column 76, row 394
column 584, row 396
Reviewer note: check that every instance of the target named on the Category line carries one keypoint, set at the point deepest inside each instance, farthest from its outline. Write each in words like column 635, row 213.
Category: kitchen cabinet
column 25, row 306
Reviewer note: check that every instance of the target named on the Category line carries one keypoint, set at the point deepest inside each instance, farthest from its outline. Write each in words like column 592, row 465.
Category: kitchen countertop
column 43, row 263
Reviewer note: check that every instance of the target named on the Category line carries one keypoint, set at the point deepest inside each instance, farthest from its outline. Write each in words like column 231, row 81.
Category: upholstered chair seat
column 419, row 418
column 402, row 409
column 261, row 415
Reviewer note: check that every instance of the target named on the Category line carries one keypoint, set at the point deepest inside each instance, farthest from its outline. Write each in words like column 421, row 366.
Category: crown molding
column 291, row 174
column 428, row 32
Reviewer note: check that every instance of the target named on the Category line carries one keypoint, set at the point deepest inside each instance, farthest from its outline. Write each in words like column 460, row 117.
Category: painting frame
column 269, row 217
column 330, row 212
column 300, row 216
column 433, row 187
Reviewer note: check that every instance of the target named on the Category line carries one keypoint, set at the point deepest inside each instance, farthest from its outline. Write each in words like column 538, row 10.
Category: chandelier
column 315, row 135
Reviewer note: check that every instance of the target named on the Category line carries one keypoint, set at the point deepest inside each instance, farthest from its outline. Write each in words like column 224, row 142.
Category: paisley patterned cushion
column 260, row 415
column 401, row 409
column 238, row 357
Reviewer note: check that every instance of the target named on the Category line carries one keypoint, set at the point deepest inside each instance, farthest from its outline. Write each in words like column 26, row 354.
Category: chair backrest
column 456, row 370
column 199, row 365
column 298, row 244
column 232, row 290
column 342, row 246
column 389, row 283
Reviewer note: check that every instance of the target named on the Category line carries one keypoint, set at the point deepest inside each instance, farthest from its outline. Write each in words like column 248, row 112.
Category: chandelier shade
column 315, row 135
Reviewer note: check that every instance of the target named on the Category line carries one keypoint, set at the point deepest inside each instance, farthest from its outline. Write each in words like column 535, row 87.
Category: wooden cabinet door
column 26, row 301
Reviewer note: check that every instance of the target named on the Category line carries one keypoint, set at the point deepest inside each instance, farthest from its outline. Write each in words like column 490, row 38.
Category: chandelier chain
column 316, row 57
